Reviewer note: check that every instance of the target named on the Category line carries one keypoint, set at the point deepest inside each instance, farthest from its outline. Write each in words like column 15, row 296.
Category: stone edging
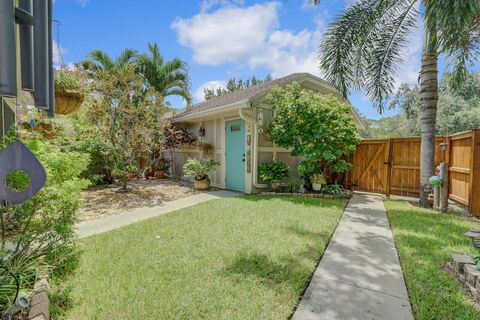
column 307, row 195
column 39, row 305
column 463, row 269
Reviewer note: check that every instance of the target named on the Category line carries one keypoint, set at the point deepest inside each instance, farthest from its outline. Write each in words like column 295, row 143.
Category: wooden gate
column 392, row 166
column 370, row 166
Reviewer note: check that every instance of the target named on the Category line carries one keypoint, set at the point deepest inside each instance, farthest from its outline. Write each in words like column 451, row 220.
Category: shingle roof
column 238, row 96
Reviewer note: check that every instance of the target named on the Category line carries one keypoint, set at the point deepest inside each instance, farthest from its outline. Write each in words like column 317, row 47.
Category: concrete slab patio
column 359, row 276
column 89, row 228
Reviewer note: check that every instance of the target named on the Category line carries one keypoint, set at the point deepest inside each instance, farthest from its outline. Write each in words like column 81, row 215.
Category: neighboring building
column 233, row 123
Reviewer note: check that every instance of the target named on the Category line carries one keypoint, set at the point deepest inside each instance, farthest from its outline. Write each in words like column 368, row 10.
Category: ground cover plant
column 425, row 239
column 240, row 258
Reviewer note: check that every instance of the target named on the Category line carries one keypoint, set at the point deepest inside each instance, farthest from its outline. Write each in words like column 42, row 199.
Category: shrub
column 41, row 230
column 323, row 132
column 335, row 190
column 199, row 169
column 273, row 171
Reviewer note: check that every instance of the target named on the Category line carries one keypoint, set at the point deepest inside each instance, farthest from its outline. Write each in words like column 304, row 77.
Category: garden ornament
column 475, row 236
column 17, row 157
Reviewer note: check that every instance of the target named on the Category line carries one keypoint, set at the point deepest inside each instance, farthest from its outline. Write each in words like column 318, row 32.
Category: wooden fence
column 392, row 166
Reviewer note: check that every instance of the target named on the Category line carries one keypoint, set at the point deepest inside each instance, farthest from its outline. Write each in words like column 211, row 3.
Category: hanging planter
column 68, row 101
column 70, row 87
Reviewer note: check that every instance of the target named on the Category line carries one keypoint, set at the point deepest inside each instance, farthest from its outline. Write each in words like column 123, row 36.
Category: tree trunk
column 428, row 115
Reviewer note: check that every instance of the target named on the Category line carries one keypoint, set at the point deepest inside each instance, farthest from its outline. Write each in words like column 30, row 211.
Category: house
column 234, row 123
column 26, row 68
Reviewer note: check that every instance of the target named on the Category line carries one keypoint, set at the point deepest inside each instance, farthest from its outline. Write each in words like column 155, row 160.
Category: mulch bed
column 107, row 200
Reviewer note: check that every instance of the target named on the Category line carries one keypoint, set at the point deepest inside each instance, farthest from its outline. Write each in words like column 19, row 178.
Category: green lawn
column 240, row 258
column 425, row 239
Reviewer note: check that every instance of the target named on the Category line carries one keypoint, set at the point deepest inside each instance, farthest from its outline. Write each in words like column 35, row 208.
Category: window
column 235, row 127
column 7, row 118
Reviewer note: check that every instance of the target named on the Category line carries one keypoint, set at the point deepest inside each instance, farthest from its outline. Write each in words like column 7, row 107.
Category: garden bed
column 347, row 195
column 106, row 201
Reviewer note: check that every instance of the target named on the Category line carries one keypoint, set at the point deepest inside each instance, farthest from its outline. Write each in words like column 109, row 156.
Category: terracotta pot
column 316, row 186
column 160, row 174
column 202, row 184
column 68, row 101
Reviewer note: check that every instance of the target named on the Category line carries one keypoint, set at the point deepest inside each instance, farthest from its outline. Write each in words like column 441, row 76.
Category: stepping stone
column 471, row 274
column 459, row 261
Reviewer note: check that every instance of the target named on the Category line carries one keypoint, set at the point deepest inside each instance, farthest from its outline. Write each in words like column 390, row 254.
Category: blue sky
column 219, row 39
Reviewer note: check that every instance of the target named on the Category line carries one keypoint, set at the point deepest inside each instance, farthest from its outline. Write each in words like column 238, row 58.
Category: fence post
column 475, row 175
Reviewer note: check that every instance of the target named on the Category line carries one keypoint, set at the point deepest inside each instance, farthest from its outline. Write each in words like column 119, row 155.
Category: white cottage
column 233, row 124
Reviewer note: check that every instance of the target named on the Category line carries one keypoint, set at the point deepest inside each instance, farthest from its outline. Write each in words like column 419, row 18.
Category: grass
column 240, row 258
column 425, row 239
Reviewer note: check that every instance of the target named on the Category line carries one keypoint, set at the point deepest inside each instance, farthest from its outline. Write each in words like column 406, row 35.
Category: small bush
column 199, row 169
column 40, row 232
column 273, row 171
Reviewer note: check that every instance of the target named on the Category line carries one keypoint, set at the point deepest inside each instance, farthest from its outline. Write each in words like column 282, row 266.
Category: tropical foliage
column 173, row 139
column 98, row 61
column 37, row 237
column 168, row 78
column 324, row 132
column 365, row 45
column 199, row 169
column 233, row 85
column 273, row 171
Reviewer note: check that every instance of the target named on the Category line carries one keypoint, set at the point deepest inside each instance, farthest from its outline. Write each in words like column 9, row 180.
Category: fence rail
column 392, row 166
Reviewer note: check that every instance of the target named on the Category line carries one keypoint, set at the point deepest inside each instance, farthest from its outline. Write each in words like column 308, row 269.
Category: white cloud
column 229, row 34
column 206, row 5
column 249, row 36
column 210, row 85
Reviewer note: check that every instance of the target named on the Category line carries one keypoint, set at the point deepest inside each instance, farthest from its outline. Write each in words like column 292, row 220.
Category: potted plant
column 273, row 173
column 69, row 90
column 198, row 170
column 317, row 180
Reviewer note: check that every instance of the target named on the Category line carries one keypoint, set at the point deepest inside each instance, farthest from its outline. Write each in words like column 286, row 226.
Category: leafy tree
column 364, row 46
column 233, row 85
column 458, row 107
column 387, row 127
column 317, row 127
column 127, row 116
column 168, row 78
column 99, row 61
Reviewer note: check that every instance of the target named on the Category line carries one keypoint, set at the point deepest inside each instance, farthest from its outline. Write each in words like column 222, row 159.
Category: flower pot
column 160, row 174
column 202, row 184
column 275, row 184
column 68, row 101
column 316, row 186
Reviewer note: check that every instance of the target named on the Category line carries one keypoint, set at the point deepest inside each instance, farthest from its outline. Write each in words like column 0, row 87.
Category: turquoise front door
column 235, row 154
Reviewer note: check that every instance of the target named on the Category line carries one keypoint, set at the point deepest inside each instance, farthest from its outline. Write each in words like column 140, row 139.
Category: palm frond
column 457, row 25
column 363, row 46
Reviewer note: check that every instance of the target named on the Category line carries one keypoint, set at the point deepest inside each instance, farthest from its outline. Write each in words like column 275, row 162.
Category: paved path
column 359, row 276
column 88, row 228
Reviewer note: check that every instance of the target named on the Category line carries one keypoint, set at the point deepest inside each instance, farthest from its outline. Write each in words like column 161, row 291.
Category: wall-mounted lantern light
column 201, row 132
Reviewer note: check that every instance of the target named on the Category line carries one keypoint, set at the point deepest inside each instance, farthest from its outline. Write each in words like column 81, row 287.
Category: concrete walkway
column 359, row 276
column 89, row 228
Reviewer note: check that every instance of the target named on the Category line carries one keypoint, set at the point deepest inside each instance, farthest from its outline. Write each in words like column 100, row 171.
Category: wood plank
column 474, row 192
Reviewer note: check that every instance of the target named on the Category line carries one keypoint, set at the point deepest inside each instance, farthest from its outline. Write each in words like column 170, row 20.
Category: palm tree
column 99, row 60
column 168, row 78
column 365, row 45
